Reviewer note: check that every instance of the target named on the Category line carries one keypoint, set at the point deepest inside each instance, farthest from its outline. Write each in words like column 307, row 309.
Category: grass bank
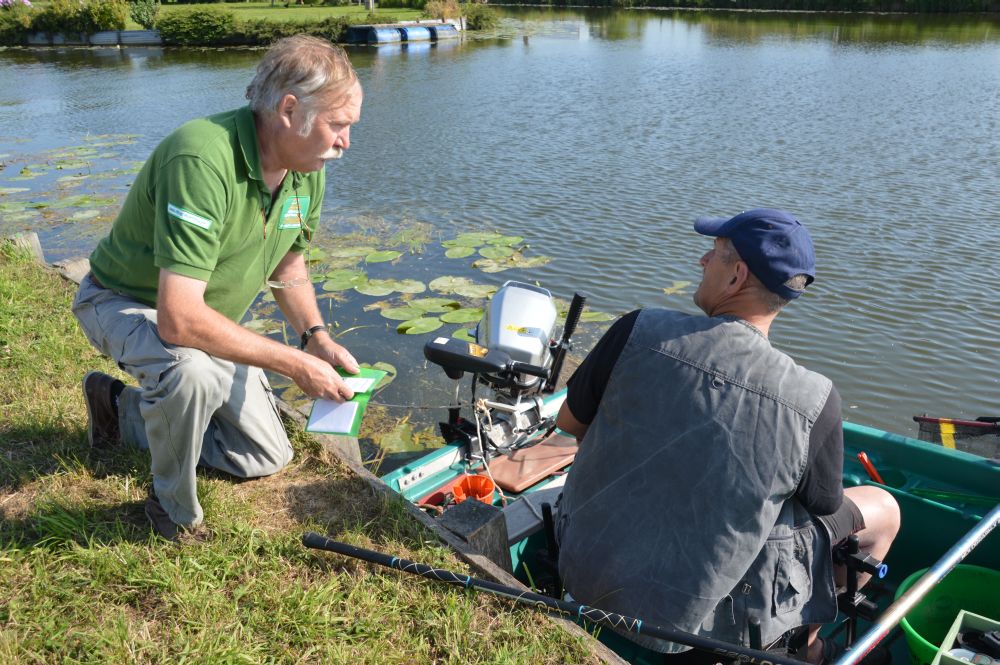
column 83, row 580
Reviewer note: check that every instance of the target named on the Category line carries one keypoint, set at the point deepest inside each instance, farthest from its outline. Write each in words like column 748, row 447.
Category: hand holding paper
column 329, row 417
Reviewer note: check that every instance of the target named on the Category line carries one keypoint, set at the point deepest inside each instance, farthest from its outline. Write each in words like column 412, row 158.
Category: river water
column 598, row 137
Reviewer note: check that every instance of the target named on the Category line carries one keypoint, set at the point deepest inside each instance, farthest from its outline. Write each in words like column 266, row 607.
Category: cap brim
column 710, row 226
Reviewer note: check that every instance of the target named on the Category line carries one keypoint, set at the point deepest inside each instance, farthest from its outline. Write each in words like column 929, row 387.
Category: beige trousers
column 190, row 408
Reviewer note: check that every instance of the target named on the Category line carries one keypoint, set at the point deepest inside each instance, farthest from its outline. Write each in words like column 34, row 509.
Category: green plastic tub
column 971, row 588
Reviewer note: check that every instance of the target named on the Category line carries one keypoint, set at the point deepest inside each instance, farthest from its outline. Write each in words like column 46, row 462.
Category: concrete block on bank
column 106, row 38
column 73, row 269
column 30, row 242
column 140, row 38
column 69, row 39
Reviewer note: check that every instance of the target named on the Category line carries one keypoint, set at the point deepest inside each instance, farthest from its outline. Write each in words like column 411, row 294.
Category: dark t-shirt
column 820, row 490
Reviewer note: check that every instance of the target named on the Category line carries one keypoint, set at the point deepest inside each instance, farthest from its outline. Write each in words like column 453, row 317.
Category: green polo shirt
column 199, row 207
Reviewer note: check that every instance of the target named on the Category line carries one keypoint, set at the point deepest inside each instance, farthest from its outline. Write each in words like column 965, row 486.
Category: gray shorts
column 845, row 521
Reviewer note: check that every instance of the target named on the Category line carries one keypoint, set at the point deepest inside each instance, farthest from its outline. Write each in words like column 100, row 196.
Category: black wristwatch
column 307, row 335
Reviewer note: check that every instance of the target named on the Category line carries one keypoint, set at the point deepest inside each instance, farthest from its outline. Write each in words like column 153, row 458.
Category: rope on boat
column 538, row 601
column 895, row 612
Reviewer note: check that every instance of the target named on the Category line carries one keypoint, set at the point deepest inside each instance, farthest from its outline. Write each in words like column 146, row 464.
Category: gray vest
column 679, row 508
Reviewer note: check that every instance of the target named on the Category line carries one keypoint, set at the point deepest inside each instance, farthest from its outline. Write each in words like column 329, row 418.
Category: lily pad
column 402, row 313
column 376, row 287
column 314, row 254
column 475, row 290
column 478, row 237
column 459, row 252
column 390, row 371
column 434, row 304
column 419, row 326
column 492, row 265
column 383, row 256
column 350, row 252
column 448, row 283
column 341, row 280
column 464, row 315
column 84, row 214
column 506, row 241
column 12, row 190
column 597, row 317
column 496, row 252
column 464, row 334
column 457, row 242
column 677, row 287
column 516, row 260
column 410, row 286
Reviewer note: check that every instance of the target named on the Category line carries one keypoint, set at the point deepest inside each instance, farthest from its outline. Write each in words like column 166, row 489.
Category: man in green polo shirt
column 223, row 206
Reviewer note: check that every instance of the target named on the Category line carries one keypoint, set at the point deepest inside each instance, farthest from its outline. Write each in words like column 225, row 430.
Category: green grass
column 83, row 580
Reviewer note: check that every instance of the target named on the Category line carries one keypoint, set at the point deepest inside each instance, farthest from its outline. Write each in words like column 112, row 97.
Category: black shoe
column 102, row 414
column 167, row 529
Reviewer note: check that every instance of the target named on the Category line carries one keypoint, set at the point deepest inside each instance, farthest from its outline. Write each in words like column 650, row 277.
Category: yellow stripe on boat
column 947, row 434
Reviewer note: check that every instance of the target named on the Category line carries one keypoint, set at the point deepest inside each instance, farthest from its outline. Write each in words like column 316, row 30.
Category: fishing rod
column 538, row 601
column 895, row 612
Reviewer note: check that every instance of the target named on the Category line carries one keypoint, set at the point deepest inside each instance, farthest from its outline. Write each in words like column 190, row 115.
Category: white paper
column 359, row 384
column 332, row 417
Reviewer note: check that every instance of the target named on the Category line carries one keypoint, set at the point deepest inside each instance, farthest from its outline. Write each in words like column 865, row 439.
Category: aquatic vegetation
column 419, row 326
column 459, row 252
column 435, row 304
column 464, row 315
column 376, row 277
column 677, row 287
column 401, row 313
column 382, row 256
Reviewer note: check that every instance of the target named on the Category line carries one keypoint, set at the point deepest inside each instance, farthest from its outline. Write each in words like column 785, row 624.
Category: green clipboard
column 344, row 418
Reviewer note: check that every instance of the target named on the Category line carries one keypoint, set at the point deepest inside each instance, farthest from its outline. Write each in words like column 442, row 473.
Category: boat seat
column 526, row 467
column 524, row 516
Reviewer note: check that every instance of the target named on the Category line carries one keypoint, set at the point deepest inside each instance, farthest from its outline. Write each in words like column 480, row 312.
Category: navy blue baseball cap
column 773, row 244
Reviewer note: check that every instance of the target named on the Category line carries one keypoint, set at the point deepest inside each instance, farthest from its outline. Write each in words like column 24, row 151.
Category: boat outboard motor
column 515, row 355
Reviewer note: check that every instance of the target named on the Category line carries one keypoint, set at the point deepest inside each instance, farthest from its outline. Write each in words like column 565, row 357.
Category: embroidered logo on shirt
column 296, row 209
column 188, row 216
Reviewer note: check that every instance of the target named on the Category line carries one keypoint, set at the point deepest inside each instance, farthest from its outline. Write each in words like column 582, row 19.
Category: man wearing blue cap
column 707, row 491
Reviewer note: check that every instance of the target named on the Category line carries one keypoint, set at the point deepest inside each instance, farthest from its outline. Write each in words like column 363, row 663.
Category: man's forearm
column 206, row 329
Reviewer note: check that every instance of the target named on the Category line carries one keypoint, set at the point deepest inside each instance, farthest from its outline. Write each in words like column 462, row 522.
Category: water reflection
column 749, row 27
column 598, row 135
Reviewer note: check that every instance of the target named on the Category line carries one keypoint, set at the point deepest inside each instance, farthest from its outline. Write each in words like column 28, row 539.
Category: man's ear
column 740, row 275
column 286, row 108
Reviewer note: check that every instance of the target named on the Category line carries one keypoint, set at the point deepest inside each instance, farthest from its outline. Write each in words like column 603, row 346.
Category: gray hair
column 312, row 69
column 770, row 299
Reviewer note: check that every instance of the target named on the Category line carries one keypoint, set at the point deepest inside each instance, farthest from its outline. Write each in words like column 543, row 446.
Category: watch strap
column 307, row 335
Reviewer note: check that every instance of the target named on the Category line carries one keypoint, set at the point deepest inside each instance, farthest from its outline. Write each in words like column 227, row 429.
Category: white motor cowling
column 520, row 322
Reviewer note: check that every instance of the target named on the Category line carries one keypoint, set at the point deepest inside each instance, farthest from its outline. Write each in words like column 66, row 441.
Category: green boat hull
column 942, row 494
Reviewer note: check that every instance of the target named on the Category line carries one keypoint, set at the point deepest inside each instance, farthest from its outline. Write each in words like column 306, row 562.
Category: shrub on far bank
column 479, row 17
column 76, row 17
column 15, row 20
column 191, row 27
column 144, row 12
column 442, row 9
column 105, row 15
column 203, row 27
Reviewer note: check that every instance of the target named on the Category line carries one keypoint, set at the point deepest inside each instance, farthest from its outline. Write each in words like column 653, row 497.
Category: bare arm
column 301, row 309
column 568, row 423
column 185, row 319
